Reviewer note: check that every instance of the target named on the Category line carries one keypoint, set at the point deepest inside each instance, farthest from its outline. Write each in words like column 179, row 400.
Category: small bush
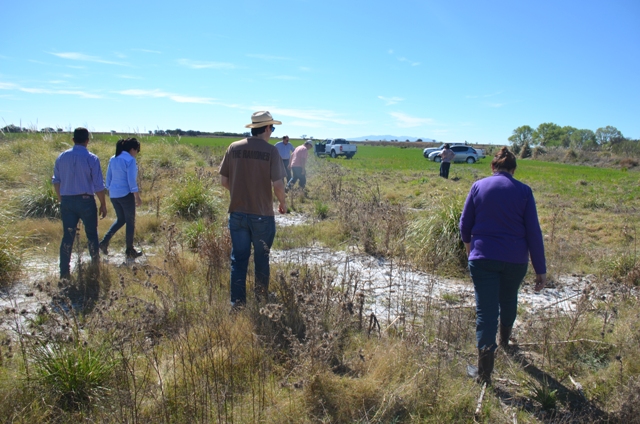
column 40, row 201
column 321, row 210
column 9, row 262
column 436, row 239
column 74, row 374
column 628, row 163
column 193, row 200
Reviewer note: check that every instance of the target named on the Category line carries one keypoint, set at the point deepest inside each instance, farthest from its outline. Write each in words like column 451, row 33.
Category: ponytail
column 504, row 160
column 126, row 144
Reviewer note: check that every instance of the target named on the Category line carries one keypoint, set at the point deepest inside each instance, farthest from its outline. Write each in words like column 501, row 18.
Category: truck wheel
column 471, row 160
column 349, row 156
column 333, row 154
column 437, row 159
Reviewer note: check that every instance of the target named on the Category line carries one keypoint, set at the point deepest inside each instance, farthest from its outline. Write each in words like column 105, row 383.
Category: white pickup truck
column 335, row 147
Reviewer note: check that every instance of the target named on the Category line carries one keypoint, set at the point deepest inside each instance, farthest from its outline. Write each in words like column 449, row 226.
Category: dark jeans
column 247, row 230
column 285, row 162
column 298, row 175
column 125, row 208
column 496, row 285
column 444, row 169
column 72, row 210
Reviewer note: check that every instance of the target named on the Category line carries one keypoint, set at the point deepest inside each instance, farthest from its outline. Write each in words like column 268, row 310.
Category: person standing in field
column 77, row 179
column 298, row 164
column 500, row 230
column 252, row 171
column 285, row 149
column 446, row 156
column 122, row 183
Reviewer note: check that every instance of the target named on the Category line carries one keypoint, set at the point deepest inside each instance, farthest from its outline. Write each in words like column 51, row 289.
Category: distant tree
column 521, row 136
column 608, row 136
column 525, row 151
column 567, row 131
column 420, row 140
column 547, row 134
column 11, row 129
column 583, row 139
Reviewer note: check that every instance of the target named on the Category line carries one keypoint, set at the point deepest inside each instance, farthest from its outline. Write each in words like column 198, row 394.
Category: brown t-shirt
column 251, row 165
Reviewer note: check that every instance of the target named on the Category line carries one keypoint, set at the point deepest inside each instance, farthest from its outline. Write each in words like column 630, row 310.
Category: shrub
column 321, row 209
column 40, row 201
column 9, row 261
column 74, row 374
column 193, row 200
column 436, row 241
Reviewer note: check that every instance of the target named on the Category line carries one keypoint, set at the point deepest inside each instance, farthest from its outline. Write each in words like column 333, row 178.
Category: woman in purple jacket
column 500, row 230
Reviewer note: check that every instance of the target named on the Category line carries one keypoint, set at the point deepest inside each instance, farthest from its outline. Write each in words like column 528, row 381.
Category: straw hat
column 262, row 119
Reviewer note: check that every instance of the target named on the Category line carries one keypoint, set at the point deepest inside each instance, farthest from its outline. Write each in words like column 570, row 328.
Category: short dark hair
column 80, row 135
column 258, row 131
column 504, row 160
column 447, row 146
column 126, row 144
column 286, row 136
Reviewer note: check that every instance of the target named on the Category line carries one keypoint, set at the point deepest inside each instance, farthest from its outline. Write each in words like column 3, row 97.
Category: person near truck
column 500, row 230
column 446, row 157
column 252, row 171
column 77, row 179
column 285, row 149
column 298, row 164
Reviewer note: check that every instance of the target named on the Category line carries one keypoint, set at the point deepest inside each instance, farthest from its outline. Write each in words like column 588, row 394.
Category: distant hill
column 389, row 138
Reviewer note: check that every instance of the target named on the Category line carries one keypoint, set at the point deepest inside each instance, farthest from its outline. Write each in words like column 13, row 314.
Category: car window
column 459, row 148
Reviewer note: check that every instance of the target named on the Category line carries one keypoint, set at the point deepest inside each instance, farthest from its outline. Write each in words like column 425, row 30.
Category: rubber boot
column 132, row 253
column 486, row 359
column 505, row 335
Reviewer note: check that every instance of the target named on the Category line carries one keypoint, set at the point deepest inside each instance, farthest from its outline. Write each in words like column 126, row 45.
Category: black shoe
column 132, row 253
column 103, row 247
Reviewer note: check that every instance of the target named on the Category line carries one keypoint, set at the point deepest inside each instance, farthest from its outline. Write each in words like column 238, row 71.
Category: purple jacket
column 500, row 221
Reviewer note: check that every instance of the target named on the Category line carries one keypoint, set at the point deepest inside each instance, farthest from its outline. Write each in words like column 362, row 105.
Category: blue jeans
column 496, row 285
column 247, row 230
column 125, row 208
column 72, row 210
column 298, row 175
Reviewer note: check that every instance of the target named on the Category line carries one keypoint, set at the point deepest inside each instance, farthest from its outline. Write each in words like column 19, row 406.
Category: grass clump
column 194, row 199
column 435, row 239
column 74, row 374
column 40, row 201
column 9, row 261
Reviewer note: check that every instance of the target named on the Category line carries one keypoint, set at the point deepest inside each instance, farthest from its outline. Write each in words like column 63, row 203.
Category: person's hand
column 282, row 208
column 103, row 211
column 138, row 200
column 541, row 282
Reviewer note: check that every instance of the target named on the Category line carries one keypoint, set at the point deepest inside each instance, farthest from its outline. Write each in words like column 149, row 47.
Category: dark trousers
column 125, row 208
column 444, row 169
column 496, row 285
column 285, row 162
column 298, row 175
column 72, row 210
column 247, row 230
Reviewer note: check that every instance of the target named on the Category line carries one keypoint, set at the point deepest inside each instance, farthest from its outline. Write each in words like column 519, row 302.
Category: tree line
column 549, row 134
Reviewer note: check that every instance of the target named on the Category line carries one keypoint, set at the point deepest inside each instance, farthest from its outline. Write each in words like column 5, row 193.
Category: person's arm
column 225, row 182
column 278, row 189
column 132, row 179
column 103, row 204
column 56, row 186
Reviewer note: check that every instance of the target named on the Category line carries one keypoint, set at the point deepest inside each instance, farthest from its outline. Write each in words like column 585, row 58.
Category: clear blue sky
column 449, row 70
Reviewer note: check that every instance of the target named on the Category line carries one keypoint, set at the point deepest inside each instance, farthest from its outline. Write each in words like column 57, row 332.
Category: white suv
column 426, row 152
column 463, row 154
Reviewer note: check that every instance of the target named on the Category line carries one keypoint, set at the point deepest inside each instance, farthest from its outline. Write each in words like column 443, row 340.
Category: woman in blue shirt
column 500, row 230
column 122, row 175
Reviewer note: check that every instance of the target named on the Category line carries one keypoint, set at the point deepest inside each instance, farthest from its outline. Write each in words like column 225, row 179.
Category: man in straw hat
column 252, row 170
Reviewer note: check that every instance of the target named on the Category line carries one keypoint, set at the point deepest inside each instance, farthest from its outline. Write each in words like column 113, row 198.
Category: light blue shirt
column 285, row 149
column 122, row 175
column 78, row 171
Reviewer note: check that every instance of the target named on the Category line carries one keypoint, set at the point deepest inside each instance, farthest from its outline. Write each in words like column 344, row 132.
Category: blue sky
column 448, row 70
